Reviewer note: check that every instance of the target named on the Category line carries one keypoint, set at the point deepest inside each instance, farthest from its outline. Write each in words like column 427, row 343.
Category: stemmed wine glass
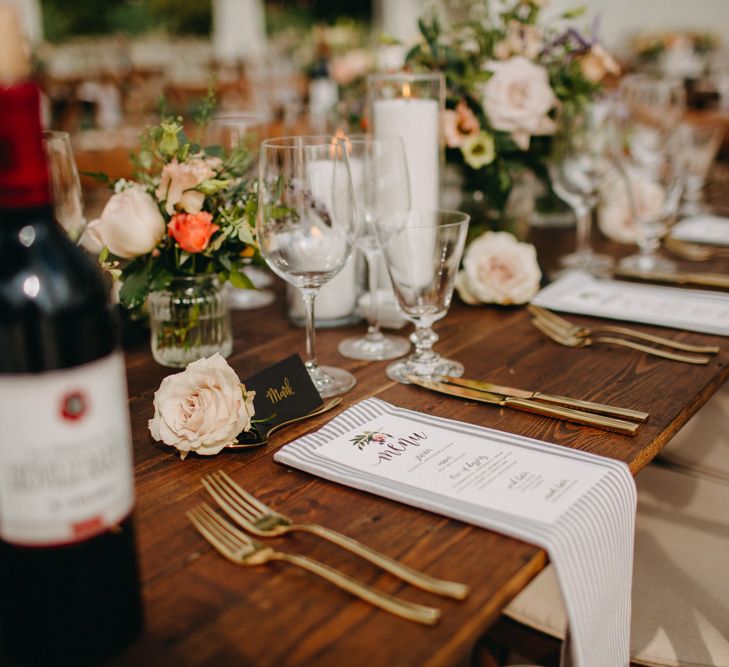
column 423, row 251
column 381, row 186
column 65, row 183
column 307, row 226
column 651, row 171
column 581, row 158
column 233, row 130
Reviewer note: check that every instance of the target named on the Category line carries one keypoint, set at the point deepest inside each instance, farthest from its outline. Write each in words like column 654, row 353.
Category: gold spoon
column 333, row 403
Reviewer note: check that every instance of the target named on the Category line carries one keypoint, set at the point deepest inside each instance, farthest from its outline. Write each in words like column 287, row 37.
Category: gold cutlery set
column 250, row 514
column 597, row 415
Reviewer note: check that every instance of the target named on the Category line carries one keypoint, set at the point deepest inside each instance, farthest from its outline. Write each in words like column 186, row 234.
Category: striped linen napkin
column 577, row 506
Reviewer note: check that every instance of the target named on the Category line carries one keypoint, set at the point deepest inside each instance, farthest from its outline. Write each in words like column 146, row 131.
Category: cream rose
column 203, row 409
column 130, row 225
column 517, row 99
column 497, row 268
column 615, row 215
column 178, row 180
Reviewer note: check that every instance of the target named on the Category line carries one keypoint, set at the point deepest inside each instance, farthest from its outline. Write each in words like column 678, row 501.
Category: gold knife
column 526, row 405
column 589, row 406
column 676, row 278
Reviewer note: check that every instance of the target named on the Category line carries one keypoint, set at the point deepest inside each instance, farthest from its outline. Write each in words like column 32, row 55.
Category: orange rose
column 192, row 231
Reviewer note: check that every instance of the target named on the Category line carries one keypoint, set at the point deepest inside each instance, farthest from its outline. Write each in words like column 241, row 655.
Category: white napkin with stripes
column 577, row 506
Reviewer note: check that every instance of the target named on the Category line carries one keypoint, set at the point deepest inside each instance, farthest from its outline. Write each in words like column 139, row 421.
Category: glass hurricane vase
column 189, row 320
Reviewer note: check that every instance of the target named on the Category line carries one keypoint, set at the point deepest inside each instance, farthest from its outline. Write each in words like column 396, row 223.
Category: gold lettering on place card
column 275, row 395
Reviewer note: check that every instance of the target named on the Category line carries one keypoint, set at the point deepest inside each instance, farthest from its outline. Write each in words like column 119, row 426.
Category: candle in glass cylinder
column 417, row 122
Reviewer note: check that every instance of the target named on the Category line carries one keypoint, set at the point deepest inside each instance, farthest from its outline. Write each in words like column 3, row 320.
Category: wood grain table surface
column 203, row 610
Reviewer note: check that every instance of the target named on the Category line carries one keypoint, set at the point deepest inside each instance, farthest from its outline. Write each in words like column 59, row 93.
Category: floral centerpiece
column 507, row 78
column 175, row 234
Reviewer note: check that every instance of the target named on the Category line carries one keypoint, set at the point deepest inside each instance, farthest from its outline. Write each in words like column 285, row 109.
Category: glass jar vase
column 189, row 320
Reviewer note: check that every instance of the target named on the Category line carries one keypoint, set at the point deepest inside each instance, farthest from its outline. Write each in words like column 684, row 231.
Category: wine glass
column 307, row 226
column 381, row 186
column 423, row 251
column 65, row 183
column 579, row 162
column 234, row 130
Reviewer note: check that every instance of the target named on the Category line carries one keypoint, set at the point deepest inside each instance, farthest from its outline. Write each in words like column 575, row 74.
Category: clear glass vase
column 189, row 320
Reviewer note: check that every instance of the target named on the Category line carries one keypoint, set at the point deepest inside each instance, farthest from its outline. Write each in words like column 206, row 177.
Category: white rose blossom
column 497, row 268
column 518, row 98
column 130, row 225
column 202, row 409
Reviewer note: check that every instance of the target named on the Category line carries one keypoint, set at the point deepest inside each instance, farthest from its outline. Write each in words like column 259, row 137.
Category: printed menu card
column 578, row 506
column 688, row 309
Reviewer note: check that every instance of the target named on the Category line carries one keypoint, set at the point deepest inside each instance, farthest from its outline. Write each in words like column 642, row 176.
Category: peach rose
column 497, row 268
column 192, row 231
column 459, row 125
column 203, row 409
column 597, row 63
column 178, row 180
column 615, row 215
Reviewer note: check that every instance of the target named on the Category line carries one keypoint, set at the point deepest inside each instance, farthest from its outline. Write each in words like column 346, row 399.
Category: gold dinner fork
column 693, row 251
column 585, row 341
column 255, row 517
column 569, row 329
column 241, row 549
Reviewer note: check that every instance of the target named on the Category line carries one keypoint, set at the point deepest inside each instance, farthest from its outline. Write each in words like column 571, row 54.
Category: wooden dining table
column 204, row 610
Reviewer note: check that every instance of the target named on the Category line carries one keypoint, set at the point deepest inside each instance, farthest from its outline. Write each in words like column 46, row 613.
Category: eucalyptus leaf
column 240, row 280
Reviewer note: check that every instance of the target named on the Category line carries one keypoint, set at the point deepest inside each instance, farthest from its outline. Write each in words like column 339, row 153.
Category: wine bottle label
column 65, row 454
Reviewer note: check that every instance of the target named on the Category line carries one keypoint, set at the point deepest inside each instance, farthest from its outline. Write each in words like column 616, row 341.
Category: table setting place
column 518, row 408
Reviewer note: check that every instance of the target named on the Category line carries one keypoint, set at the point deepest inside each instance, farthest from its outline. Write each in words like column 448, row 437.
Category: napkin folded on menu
column 579, row 507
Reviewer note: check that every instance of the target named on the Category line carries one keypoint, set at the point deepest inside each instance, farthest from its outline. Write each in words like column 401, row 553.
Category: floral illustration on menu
column 363, row 439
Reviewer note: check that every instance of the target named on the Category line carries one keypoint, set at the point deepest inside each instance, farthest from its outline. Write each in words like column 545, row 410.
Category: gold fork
column 570, row 329
column 559, row 336
column 255, row 517
column 241, row 549
column 693, row 251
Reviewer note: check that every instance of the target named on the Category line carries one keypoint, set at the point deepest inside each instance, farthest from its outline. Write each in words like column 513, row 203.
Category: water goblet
column 698, row 144
column 423, row 251
column 651, row 172
column 381, row 187
column 307, row 227
column 238, row 134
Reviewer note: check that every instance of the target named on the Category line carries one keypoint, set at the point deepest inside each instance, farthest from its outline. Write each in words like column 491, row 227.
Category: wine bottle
column 69, row 586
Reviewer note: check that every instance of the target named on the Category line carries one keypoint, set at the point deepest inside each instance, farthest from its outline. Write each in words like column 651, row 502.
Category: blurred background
column 108, row 67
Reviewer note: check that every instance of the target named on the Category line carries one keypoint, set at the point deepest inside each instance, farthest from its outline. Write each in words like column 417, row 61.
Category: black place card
column 283, row 391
